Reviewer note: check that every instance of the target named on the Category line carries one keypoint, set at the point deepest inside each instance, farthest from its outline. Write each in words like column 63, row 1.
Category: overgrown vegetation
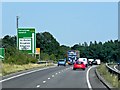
column 8, row 68
column 13, row 56
column 110, row 78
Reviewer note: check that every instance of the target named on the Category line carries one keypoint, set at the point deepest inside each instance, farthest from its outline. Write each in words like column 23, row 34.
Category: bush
column 44, row 56
column 13, row 56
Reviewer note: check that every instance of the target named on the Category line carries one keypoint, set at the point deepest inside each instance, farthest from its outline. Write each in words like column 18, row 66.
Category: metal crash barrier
column 113, row 71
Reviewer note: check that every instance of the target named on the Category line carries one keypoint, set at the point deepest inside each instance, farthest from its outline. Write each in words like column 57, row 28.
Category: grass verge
column 12, row 68
column 110, row 78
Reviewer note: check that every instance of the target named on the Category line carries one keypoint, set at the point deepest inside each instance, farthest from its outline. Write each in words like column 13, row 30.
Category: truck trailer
column 72, row 56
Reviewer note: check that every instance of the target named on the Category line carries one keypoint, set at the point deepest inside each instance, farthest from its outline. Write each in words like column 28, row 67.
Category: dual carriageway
column 54, row 77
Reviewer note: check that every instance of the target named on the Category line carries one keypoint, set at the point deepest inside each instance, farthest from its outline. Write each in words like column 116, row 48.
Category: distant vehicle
column 90, row 61
column 72, row 56
column 62, row 62
column 94, row 62
column 98, row 61
column 79, row 65
column 118, row 63
column 84, row 60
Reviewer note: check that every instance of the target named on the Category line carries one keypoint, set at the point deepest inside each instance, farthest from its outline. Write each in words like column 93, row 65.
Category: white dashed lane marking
column 52, row 75
column 48, row 78
column 44, row 81
column 38, row 86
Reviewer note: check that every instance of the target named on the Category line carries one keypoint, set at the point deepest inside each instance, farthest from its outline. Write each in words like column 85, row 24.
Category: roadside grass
column 12, row 68
column 110, row 78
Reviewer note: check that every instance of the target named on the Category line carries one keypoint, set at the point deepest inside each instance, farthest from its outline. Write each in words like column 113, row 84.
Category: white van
column 90, row 60
column 98, row 61
column 84, row 60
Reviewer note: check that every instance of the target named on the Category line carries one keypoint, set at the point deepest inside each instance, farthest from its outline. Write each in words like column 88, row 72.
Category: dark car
column 62, row 62
column 90, row 63
column 94, row 62
column 118, row 63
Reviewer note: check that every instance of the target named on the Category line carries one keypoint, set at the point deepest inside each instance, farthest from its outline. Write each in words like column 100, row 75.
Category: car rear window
column 61, row 60
column 79, row 62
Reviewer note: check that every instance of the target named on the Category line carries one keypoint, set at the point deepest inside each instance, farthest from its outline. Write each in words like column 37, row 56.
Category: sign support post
column 38, row 52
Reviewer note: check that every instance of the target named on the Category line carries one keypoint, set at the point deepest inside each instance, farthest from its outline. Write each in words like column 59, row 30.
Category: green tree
column 52, row 57
column 44, row 56
column 9, row 41
column 47, row 43
column 62, row 52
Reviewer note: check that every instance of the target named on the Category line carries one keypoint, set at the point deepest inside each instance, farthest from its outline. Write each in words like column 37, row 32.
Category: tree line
column 52, row 50
column 106, row 52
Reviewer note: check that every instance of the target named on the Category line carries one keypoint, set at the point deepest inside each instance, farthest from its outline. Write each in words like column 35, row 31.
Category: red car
column 79, row 65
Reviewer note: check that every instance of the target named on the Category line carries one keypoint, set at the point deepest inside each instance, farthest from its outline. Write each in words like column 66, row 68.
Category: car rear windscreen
column 79, row 62
column 61, row 60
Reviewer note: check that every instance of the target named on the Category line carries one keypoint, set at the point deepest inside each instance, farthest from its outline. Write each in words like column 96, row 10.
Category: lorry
column 72, row 56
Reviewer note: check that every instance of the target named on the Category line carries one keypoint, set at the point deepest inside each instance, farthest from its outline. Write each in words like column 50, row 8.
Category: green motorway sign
column 26, row 40
column 2, row 53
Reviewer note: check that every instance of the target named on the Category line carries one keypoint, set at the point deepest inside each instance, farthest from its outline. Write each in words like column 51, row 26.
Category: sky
column 60, row 0
column 69, row 22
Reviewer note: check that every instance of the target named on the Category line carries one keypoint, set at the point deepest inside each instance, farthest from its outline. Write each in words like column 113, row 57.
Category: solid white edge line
column 24, row 74
column 87, row 77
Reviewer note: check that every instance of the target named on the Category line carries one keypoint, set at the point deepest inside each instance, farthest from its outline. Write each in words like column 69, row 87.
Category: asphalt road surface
column 56, row 77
